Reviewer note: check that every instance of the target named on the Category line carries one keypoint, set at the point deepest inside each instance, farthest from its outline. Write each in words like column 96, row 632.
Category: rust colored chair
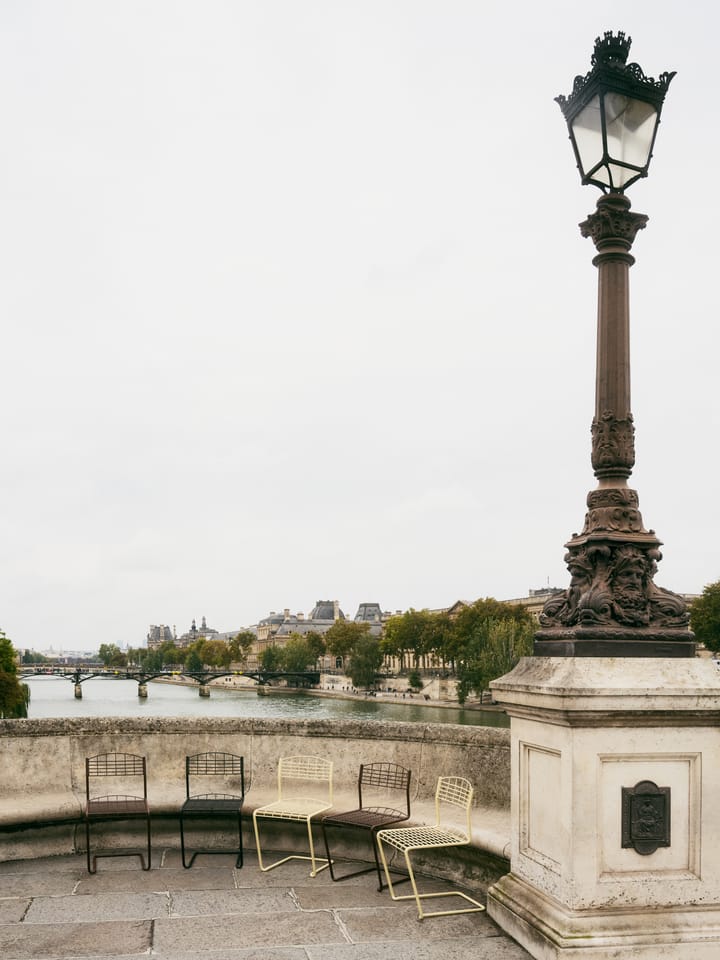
column 383, row 799
column 224, row 770
column 121, row 772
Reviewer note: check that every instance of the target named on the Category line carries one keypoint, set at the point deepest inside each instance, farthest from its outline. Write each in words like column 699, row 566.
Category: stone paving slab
column 19, row 941
column 37, row 885
column 198, row 903
column 250, row 953
column 156, row 880
column 103, row 906
column 13, row 909
column 252, row 930
column 465, row 948
column 400, row 922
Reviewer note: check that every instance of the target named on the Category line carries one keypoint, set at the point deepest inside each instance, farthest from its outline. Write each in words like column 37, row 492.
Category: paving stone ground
column 53, row 909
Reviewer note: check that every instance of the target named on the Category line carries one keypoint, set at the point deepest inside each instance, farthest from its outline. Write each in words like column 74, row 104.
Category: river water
column 106, row 697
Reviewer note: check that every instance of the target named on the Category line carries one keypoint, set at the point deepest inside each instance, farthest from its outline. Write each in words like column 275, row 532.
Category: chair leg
column 315, row 869
column 92, row 867
column 187, row 864
column 419, row 897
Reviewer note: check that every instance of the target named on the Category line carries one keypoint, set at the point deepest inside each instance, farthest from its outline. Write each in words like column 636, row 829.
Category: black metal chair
column 387, row 782
column 131, row 769
column 226, row 770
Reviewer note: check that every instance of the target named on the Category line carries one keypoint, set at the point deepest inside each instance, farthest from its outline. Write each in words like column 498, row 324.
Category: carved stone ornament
column 613, row 445
column 611, row 586
column 645, row 817
column 614, row 510
column 613, row 222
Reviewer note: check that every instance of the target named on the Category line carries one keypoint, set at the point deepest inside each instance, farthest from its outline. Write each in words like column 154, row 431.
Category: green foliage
column 365, row 661
column 14, row 695
column 241, row 645
column 297, row 655
column 30, row 656
column 492, row 649
column 111, row 655
column 705, row 616
column 271, row 658
column 343, row 635
column 215, row 653
column 193, row 661
column 415, row 680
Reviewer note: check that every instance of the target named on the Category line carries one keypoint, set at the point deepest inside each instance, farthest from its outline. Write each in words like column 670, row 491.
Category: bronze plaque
column 645, row 817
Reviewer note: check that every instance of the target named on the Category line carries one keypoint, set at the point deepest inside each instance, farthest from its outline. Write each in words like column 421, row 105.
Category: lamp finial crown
column 611, row 49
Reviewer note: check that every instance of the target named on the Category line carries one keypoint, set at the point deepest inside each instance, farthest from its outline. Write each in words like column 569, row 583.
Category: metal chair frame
column 225, row 766
column 378, row 779
column 307, row 771
column 452, row 793
column 116, row 806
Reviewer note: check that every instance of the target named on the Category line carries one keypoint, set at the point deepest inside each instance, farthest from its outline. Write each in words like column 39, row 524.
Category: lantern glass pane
column 587, row 133
column 630, row 126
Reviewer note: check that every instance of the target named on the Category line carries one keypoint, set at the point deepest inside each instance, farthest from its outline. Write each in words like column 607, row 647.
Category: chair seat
column 366, row 817
column 423, row 837
column 212, row 803
column 116, row 806
column 293, row 808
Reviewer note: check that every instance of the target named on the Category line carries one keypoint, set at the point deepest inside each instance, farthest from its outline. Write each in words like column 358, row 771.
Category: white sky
column 294, row 306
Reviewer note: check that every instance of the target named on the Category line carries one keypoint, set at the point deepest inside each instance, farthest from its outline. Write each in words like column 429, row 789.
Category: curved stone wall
column 43, row 766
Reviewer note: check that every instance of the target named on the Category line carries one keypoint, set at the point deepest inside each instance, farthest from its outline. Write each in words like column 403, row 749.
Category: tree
column 297, row 655
column 493, row 649
column 365, row 661
column 215, row 653
column 111, row 655
column 14, row 695
column 271, row 659
column 241, row 645
column 343, row 635
column 705, row 616
column 193, row 661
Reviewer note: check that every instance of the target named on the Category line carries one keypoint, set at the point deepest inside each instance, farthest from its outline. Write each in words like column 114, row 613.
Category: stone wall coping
column 43, row 781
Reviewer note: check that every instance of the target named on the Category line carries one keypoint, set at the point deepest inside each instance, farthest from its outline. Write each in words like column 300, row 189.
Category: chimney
column 336, row 610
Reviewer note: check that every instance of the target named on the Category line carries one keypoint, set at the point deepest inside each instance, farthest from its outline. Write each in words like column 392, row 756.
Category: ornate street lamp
column 612, row 606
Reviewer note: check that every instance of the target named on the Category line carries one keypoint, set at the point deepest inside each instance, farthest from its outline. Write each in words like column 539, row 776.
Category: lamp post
column 612, row 606
column 613, row 746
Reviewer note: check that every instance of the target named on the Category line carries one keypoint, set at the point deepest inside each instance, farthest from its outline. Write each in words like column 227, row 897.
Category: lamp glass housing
column 613, row 136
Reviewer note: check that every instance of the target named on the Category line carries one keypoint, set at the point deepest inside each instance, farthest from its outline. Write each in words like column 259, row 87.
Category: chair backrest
column 128, row 766
column 222, row 767
column 385, row 781
column 312, row 775
column 453, row 794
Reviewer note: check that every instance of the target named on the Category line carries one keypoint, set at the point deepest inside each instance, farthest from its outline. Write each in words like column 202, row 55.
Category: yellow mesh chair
column 452, row 794
column 305, row 790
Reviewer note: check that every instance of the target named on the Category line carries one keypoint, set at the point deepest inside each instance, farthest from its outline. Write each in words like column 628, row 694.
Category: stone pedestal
column 142, row 691
column 615, row 809
column 78, row 691
column 204, row 690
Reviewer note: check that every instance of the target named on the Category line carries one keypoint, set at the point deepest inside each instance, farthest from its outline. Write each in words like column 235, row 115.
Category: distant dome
column 327, row 610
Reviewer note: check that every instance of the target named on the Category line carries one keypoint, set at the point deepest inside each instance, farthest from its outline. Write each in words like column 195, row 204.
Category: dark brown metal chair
column 223, row 769
column 387, row 782
column 117, row 806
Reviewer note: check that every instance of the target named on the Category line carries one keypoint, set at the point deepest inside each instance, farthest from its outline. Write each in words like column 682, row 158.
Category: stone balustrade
column 43, row 769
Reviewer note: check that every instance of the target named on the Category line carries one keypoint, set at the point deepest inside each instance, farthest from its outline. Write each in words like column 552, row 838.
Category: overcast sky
column 294, row 306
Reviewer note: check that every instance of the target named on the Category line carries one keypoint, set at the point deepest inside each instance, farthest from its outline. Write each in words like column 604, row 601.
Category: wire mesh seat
column 131, row 771
column 376, row 782
column 312, row 776
column 220, row 770
column 452, row 794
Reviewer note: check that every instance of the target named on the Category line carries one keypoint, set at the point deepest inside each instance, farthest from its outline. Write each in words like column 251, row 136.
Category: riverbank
column 341, row 692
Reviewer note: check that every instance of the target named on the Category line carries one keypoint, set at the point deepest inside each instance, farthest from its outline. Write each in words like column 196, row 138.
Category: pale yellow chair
column 305, row 790
column 453, row 794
